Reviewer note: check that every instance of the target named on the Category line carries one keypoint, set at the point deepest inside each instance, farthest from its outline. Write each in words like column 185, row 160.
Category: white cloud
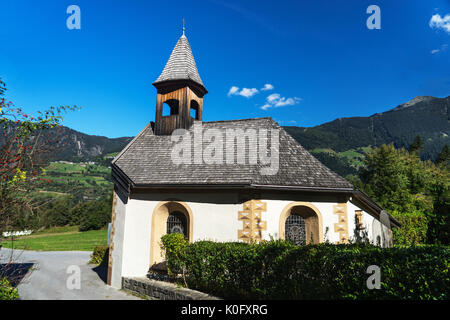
column 275, row 101
column 233, row 91
column 441, row 48
column 248, row 92
column 439, row 22
column 273, row 97
column 266, row 106
column 245, row 92
column 287, row 102
column 267, row 87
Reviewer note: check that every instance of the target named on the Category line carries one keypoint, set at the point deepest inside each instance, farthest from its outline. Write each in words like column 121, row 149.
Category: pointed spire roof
column 181, row 64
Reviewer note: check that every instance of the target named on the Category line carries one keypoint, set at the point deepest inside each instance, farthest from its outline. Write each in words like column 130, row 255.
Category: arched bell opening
column 194, row 110
column 171, row 107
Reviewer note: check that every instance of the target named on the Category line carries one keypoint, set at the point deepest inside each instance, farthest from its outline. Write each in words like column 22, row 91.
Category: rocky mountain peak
column 414, row 101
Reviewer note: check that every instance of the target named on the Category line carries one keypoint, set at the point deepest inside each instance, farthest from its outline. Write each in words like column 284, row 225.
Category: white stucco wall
column 215, row 217
column 373, row 228
column 118, row 239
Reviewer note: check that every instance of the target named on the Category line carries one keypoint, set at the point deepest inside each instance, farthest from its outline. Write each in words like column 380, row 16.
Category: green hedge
column 100, row 255
column 281, row 270
column 7, row 292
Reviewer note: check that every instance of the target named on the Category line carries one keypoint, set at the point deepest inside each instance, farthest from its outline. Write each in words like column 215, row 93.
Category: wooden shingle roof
column 147, row 161
column 181, row 64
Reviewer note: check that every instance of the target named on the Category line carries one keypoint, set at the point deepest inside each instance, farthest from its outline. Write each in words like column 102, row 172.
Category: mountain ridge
column 340, row 144
column 427, row 117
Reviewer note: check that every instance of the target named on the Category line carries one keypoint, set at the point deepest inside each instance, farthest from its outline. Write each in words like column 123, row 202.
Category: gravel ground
column 50, row 274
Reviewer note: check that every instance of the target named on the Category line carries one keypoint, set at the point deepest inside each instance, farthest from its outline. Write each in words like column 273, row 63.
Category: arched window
column 194, row 110
column 301, row 223
column 177, row 223
column 295, row 229
column 170, row 107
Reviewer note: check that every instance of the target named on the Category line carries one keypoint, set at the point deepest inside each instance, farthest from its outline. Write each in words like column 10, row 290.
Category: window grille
column 176, row 223
column 295, row 229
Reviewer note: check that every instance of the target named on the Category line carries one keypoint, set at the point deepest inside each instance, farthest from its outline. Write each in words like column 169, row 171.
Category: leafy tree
column 414, row 228
column 97, row 214
column 59, row 213
column 23, row 149
column 409, row 188
column 383, row 178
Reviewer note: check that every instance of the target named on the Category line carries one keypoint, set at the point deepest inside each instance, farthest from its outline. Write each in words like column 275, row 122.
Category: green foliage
column 97, row 214
column 80, row 180
column 24, row 147
column 384, row 178
column 335, row 162
column 416, row 146
column 7, row 292
column 414, row 228
column 60, row 212
column 444, row 156
column 281, row 270
column 399, row 181
column 173, row 245
column 65, row 210
column 100, row 256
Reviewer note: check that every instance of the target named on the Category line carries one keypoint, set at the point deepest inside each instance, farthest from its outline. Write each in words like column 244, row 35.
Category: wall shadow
column 15, row 272
column 102, row 272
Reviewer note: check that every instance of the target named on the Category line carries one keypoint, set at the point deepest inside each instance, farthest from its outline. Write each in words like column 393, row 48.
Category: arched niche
column 159, row 226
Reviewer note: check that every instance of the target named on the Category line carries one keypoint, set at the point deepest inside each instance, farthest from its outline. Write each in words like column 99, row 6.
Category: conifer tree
column 417, row 146
column 444, row 156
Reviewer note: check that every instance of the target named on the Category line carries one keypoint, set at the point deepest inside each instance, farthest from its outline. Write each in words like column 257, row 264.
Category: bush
column 173, row 246
column 414, row 228
column 7, row 292
column 281, row 270
column 100, row 256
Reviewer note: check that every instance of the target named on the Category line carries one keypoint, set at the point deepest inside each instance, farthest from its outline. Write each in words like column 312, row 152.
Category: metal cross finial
column 183, row 27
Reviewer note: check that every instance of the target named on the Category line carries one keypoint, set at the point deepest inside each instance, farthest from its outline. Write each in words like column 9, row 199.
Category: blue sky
column 320, row 58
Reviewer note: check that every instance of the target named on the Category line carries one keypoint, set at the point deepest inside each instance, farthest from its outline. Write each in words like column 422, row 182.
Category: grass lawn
column 60, row 240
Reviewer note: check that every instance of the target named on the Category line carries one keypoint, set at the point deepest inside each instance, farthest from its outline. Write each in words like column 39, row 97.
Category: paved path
column 49, row 275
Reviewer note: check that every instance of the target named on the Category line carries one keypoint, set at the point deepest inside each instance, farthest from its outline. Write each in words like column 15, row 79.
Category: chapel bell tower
column 180, row 91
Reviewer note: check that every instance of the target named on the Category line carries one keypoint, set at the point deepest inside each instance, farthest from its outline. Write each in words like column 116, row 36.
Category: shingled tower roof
column 181, row 64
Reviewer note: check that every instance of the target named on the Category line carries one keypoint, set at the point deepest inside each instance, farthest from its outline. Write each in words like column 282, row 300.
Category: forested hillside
column 340, row 144
column 72, row 145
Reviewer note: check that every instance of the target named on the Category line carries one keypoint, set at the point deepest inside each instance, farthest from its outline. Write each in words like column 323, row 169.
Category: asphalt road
column 54, row 276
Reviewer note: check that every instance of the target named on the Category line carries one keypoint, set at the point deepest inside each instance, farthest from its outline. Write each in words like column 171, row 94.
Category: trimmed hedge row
column 281, row 270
